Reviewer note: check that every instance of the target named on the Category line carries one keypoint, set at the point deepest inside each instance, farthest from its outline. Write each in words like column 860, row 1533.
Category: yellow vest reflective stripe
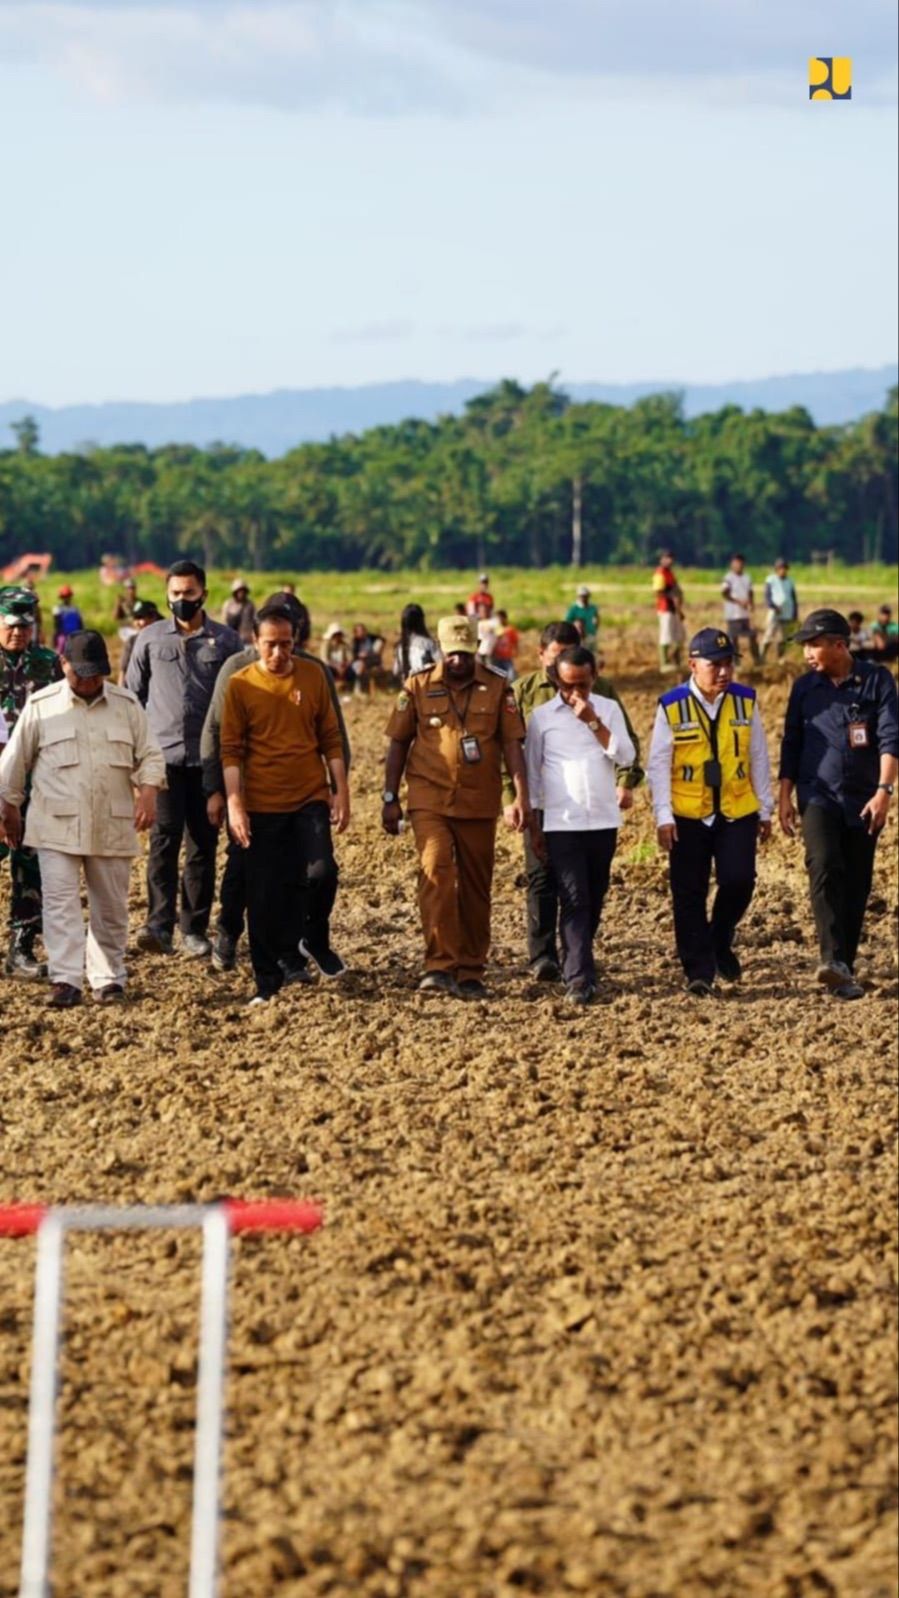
column 698, row 740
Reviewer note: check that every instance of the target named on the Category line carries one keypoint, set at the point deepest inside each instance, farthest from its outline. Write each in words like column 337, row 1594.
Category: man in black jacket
column 839, row 752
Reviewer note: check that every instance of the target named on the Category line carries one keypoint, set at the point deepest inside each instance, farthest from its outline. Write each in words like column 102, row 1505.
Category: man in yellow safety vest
column 710, row 777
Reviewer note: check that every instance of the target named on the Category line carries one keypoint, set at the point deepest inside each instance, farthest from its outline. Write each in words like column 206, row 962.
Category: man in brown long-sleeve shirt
column 279, row 731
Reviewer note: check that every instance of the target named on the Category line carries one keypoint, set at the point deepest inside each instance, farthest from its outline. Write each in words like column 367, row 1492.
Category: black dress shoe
column 471, row 988
column 63, row 996
column 439, row 982
column 581, row 996
column 546, row 970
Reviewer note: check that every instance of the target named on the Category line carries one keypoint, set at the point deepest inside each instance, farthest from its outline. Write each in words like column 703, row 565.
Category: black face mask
column 185, row 609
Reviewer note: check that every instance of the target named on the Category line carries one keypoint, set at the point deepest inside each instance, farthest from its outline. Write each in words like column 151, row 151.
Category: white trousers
column 107, row 878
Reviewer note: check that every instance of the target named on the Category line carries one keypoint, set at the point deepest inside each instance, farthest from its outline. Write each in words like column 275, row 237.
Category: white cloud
column 388, row 57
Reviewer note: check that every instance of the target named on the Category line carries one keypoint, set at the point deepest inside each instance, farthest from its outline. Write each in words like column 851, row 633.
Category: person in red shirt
column 670, row 607
column 481, row 596
column 505, row 647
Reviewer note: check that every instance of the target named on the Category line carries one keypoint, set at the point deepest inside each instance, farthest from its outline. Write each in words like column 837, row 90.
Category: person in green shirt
column 585, row 617
column 885, row 635
column 537, row 688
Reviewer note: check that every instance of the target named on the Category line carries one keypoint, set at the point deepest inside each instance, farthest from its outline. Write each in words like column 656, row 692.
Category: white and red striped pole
column 217, row 1222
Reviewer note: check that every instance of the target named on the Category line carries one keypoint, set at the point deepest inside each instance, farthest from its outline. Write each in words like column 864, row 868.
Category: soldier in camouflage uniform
column 24, row 668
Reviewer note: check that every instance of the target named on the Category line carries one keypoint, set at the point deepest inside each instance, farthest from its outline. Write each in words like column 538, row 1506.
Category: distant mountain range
column 278, row 421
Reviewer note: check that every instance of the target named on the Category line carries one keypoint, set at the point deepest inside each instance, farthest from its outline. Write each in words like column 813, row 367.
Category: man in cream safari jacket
column 86, row 746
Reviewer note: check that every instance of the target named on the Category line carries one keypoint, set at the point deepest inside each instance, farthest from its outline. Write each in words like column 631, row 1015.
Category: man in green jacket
column 537, row 688
column 25, row 667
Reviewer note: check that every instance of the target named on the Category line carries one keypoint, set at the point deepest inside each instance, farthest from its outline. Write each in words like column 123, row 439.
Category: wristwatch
column 388, row 797
column 885, row 787
column 593, row 725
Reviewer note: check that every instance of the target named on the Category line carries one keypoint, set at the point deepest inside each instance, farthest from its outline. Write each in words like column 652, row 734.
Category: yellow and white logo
column 830, row 77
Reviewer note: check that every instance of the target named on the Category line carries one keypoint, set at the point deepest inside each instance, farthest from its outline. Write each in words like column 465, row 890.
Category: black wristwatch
column 388, row 797
column 885, row 787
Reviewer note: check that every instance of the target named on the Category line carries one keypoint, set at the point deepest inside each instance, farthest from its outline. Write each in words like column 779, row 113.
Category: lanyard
column 461, row 716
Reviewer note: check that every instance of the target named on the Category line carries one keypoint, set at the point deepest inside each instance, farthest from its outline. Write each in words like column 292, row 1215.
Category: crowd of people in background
column 236, row 723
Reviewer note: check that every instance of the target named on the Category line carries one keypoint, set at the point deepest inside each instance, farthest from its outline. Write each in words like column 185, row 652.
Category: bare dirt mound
column 604, row 1303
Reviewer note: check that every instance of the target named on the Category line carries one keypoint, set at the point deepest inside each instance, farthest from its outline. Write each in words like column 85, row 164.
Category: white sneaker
column 257, row 999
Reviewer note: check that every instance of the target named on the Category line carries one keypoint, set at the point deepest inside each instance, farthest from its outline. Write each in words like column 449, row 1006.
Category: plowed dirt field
column 604, row 1302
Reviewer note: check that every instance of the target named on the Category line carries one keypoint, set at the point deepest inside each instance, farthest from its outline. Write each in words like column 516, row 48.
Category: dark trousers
column 840, row 864
column 181, row 814
column 291, row 880
column 543, row 905
column 581, row 863
column 731, row 846
column 233, row 890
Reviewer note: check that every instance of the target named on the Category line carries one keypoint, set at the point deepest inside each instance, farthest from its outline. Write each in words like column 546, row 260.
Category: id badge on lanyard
column 471, row 750
column 859, row 737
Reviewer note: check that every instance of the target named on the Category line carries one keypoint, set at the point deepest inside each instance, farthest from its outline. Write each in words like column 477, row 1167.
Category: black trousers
column 581, row 863
column 181, row 814
column 840, row 864
column 233, row 890
column 291, row 879
column 543, row 905
column 731, row 846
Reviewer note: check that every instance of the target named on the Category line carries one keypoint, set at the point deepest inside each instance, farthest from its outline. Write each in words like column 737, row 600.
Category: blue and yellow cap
column 711, row 644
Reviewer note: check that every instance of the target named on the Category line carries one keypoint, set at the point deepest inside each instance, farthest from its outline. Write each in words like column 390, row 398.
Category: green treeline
column 524, row 478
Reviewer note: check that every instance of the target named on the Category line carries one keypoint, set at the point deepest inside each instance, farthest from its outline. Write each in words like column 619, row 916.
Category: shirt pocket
column 58, row 762
column 119, row 752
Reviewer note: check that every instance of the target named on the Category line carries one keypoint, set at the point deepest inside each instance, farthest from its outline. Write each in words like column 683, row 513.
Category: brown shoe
column 113, row 993
column 63, row 996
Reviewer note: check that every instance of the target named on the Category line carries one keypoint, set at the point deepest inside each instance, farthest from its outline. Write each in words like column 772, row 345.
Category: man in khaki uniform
column 453, row 725
column 95, row 772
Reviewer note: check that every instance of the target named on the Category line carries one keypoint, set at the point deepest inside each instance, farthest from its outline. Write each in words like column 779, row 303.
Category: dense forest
column 525, row 477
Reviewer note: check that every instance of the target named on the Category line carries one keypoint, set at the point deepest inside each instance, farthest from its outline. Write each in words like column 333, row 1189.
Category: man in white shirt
column 739, row 603
column 710, row 777
column 574, row 743
column 94, row 770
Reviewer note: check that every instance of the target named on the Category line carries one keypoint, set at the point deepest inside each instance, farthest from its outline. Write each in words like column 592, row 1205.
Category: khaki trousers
column 107, row 878
column 454, row 879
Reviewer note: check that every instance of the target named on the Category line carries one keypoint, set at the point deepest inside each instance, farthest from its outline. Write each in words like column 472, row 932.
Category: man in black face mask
column 172, row 670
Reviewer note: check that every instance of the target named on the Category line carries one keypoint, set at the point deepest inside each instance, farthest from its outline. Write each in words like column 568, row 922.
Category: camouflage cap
column 17, row 605
column 456, row 636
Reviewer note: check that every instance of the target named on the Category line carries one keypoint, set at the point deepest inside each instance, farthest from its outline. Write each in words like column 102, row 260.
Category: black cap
column 822, row 624
column 711, row 644
column 86, row 654
column 146, row 608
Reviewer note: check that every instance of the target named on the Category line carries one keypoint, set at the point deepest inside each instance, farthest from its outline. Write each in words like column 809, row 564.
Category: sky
column 215, row 197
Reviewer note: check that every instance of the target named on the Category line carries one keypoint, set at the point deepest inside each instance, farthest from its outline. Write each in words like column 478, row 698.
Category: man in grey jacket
column 173, row 670
column 86, row 746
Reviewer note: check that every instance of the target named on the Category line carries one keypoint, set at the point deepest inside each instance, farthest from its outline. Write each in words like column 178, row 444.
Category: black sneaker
column 149, row 941
column 546, row 970
column 728, row 966
column 835, row 974
column 700, row 989
column 296, row 975
column 224, row 952
column 21, row 961
column 471, row 988
column 329, row 963
column 439, row 982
